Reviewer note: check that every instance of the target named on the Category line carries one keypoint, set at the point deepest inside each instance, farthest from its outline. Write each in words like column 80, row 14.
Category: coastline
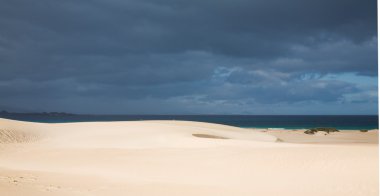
column 181, row 158
column 342, row 122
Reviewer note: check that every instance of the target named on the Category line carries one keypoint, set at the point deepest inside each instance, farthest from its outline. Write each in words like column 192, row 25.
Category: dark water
column 259, row 121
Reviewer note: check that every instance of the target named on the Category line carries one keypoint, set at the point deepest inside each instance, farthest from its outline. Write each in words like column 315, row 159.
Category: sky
column 189, row 57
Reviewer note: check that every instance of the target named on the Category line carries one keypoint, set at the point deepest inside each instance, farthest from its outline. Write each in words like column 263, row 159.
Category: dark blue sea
column 349, row 122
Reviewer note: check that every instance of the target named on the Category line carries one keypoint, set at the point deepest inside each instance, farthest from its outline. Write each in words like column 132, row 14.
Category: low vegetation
column 324, row 129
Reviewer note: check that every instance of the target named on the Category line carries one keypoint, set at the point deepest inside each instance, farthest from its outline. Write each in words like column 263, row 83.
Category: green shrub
column 325, row 129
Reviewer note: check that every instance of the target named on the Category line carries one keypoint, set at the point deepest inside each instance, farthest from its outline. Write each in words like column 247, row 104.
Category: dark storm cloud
column 201, row 51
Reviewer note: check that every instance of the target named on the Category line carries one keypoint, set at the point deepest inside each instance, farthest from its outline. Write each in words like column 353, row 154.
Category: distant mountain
column 5, row 113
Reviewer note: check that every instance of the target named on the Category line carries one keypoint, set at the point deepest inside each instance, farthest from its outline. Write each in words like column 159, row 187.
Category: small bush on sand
column 310, row 132
column 363, row 130
column 325, row 129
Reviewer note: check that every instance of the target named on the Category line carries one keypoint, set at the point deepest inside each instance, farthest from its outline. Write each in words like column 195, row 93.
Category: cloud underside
column 205, row 56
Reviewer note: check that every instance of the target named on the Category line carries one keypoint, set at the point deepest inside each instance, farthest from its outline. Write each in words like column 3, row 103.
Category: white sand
column 164, row 158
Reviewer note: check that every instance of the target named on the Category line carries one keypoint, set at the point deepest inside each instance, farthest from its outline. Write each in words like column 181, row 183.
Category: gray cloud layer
column 201, row 56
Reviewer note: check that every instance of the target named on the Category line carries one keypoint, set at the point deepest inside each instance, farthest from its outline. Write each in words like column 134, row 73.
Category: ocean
column 349, row 122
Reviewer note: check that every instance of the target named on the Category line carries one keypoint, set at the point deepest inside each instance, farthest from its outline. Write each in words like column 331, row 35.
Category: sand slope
column 175, row 158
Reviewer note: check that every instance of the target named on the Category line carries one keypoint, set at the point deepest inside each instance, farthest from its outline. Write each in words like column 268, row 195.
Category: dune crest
column 131, row 134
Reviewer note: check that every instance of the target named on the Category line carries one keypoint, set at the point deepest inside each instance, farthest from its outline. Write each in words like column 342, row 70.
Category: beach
column 170, row 158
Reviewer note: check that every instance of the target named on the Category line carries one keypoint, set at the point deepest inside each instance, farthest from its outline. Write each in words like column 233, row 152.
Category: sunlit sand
column 182, row 158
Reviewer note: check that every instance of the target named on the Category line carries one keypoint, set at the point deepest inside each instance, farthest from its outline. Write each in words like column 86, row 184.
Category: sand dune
column 179, row 158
